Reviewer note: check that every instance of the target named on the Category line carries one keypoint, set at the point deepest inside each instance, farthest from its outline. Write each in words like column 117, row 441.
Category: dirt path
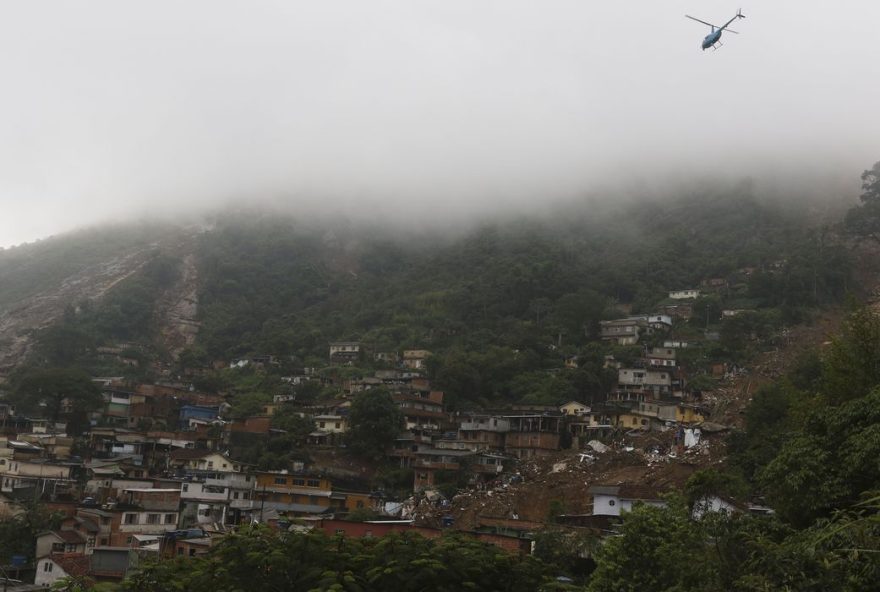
column 177, row 310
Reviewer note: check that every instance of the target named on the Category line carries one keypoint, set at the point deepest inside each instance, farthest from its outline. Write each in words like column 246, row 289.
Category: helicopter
column 713, row 39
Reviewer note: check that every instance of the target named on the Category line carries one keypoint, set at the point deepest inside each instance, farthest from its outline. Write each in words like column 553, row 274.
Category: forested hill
column 263, row 283
column 281, row 287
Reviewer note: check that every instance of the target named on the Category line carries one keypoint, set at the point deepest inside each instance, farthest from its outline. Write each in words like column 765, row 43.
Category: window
column 128, row 540
column 152, row 518
column 280, row 480
column 192, row 552
column 314, row 483
column 180, row 550
column 47, row 567
column 299, row 481
column 130, row 519
column 321, row 424
column 337, row 425
column 105, row 541
column 611, row 502
column 234, row 495
column 210, row 464
column 170, row 518
column 185, row 487
column 57, row 547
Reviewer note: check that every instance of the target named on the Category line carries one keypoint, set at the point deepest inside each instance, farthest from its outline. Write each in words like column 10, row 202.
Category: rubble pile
column 560, row 482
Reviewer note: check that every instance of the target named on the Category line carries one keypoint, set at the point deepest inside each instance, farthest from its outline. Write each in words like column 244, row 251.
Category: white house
column 51, row 568
column 612, row 500
column 684, row 294
column 574, row 408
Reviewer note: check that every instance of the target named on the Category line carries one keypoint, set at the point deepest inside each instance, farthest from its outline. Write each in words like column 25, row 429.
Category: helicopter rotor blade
column 704, row 22
column 730, row 31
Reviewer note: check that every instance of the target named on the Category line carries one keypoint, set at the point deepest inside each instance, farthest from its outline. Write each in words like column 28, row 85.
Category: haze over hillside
column 426, row 111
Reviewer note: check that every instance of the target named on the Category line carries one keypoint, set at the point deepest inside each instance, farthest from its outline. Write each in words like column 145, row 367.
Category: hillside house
column 54, row 567
column 684, row 294
column 345, row 352
column 430, row 461
column 223, row 499
column 389, row 357
column 574, row 408
column 642, row 381
column 414, row 359
column 532, row 434
column 612, row 500
column 65, row 541
column 17, row 477
column 422, row 411
column 295, row 493
column 622, row 331
column 655, row 321
column 483, row 432
column 679, row 310
column 661, row 357
column 189, row 461
column 149, row 510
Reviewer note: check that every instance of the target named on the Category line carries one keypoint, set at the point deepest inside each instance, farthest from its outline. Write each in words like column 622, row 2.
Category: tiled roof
column 74, row 564
column 70, row 536
column 190, row 453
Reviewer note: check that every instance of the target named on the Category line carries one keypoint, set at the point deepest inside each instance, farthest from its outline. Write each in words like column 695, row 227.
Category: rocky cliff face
column 54, row 276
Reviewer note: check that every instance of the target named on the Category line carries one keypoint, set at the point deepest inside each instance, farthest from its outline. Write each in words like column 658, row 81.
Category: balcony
column 436, row 465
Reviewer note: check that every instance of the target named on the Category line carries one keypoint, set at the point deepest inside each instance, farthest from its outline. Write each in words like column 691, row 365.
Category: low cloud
column 432, row 110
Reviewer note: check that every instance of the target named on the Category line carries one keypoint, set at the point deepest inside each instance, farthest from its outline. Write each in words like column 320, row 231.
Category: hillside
column 267, row 284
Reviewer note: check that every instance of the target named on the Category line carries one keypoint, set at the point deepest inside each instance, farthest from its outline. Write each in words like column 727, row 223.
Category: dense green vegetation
column 273, row 286
column 502, row 306
column 29, row 269
column 123, row 320
column 260, row 559
column 864, row 220
column 66, row 394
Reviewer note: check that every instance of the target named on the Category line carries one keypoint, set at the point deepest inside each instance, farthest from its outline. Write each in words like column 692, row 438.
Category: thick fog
column 427, row 109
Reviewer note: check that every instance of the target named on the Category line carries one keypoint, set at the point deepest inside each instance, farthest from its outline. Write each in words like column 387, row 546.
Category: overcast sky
column 112, row 108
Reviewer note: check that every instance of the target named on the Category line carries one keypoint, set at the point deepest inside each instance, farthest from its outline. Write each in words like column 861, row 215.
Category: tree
column 657, row 550
column 852, row 367
column 262, row 559
column 829, row 463
column 864, row 220
column 18, row 535
column 708, row 483
column 375, row 421
column 66, row 393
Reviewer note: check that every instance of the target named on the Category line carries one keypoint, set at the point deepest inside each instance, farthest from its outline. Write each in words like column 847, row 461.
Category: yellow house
column 631, row 421
column 305, row 494
column 688, row 414
column 301, row 494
